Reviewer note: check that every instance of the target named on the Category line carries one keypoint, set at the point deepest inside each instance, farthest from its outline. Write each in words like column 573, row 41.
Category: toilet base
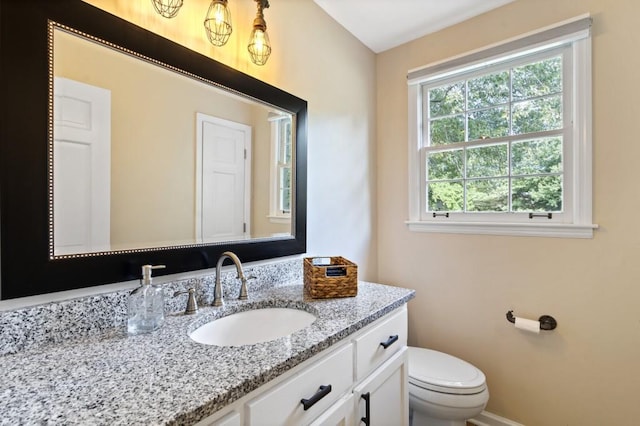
column 417, row 418
column 432, row 408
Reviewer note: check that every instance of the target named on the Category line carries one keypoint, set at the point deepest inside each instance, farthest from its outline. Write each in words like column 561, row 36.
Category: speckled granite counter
column 166, row 378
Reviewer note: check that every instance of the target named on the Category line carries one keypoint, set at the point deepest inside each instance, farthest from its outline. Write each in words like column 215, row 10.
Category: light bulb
column 259, row 46
column 219, row 14
column 217, row 23
column 258, row 41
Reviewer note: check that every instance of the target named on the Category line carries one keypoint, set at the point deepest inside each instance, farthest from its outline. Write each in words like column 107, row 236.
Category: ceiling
column 384, row 24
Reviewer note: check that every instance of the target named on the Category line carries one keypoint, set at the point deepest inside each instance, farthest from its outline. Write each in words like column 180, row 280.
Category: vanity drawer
column 282, row 405
column 370, row 347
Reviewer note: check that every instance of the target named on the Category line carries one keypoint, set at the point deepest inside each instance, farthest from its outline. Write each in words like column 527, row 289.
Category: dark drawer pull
column 367, row 409
column 391, row 341
column 322, row 392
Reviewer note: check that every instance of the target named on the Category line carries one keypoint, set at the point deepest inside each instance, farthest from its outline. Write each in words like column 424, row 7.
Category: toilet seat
column 440, row 372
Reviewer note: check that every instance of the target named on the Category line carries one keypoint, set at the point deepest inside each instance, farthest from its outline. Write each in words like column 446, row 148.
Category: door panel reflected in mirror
column 147, row 157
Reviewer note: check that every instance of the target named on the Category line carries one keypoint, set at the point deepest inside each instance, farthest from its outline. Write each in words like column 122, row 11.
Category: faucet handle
column 192, row 305
column 244, row 294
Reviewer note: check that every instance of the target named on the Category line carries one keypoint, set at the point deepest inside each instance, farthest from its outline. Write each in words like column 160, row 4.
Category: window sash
column 425, row 147
column 282, row 156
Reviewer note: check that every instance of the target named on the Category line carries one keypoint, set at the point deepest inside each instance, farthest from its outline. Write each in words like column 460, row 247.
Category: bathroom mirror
column 172, row 116
column 146, row 157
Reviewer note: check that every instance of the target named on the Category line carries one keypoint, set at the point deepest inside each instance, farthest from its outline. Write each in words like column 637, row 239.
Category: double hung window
column 500, row 140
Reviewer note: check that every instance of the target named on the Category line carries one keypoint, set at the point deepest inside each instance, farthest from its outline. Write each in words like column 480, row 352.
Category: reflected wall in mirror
column 153, row 198
column 145, row 156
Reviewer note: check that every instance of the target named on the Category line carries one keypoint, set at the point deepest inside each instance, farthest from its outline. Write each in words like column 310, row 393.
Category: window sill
column 554, row 230
column 279, row 219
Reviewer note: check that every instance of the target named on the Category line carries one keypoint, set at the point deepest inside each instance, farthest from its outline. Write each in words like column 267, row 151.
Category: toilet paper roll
column 528, row 325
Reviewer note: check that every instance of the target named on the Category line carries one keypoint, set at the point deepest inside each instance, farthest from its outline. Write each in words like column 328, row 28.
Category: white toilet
column 444, row 390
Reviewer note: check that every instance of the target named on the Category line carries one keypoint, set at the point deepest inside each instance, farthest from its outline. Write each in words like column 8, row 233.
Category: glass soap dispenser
column 145, row 307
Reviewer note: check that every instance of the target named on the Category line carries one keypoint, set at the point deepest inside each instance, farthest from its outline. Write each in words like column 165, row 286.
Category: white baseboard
column 489, row 419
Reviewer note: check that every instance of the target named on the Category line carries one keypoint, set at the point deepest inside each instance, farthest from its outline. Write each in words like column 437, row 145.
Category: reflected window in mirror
column 281, row 168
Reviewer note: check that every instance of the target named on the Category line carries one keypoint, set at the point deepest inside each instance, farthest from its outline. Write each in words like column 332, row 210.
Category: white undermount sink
column 252, row 326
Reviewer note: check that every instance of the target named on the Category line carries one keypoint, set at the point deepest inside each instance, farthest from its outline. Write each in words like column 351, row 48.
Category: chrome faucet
column 217, row 292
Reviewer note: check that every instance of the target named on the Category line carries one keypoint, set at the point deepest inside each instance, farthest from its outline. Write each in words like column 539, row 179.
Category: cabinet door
column 383, row 397
column 340, row 414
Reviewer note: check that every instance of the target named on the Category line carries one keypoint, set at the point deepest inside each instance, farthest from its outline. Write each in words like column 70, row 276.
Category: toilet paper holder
column 547, row 322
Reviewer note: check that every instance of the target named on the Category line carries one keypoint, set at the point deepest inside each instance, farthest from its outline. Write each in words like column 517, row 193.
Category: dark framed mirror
column 32, row 209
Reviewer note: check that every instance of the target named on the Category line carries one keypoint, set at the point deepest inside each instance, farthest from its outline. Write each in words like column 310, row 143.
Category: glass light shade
column 259, row 46
column 217, row 23
column 167, row 8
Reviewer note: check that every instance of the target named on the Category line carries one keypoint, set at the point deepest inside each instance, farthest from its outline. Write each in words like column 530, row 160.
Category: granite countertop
column 166, row 378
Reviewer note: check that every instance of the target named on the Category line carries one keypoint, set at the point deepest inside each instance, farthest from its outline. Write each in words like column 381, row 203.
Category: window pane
column 536, row 157
column 284, row 141
column 285, row 189
column 447, row 130
column 445, row 165
column 445, row 196
column 489, row 123
column 287, row 142
column 537, row 194
column 488, row 195
column 487, row 161
column 537, row 79
column 285, row 181
column 285, row 205
column 446, row 100
column 488, row 90
column 537, row 115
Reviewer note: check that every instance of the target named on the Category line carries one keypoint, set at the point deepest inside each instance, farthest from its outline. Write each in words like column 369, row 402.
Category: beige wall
column 587, row 372
column 317, row 60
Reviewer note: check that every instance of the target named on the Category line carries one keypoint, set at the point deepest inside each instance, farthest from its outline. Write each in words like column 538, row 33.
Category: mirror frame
column 25, row 131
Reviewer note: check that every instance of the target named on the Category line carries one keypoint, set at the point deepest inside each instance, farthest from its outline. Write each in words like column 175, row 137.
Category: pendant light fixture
column 167, row 8
column 217, row 23
column 259, row 46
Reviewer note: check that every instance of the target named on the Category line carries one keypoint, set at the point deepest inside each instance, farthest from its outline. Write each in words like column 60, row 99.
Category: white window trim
column 579, row 224
column 280, row 219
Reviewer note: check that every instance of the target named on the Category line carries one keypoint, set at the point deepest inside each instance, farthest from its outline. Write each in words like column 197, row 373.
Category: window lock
column 547, row 215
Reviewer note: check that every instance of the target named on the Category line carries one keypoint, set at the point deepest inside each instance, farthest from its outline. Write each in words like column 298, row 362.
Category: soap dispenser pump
column 146, row 304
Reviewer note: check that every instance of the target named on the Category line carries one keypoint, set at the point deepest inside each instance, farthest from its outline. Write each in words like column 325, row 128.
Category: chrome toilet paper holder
column 547, row 322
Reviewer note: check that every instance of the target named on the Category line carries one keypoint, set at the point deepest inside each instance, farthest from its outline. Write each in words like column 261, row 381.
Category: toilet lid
column 442, row 372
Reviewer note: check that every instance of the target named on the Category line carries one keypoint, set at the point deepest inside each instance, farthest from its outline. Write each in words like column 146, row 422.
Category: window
column 500, row 139
column 282, row 145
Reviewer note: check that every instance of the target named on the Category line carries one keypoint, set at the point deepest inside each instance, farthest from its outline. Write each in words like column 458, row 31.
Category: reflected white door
column 82, row 167
column 223, row 179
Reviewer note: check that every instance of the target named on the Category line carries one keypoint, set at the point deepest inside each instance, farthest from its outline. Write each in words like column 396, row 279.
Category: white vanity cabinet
column 362, row 380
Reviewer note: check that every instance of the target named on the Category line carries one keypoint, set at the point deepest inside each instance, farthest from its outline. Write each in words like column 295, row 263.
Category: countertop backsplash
column 106, row 314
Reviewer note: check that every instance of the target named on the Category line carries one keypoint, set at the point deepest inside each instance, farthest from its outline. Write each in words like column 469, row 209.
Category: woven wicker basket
column 328, row 277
